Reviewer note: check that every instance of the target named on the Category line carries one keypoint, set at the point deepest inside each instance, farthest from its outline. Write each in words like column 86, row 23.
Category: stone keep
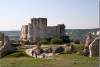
column 39, row 26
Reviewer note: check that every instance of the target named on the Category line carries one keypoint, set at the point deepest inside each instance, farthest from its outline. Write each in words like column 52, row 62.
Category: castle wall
column 30, row 32
column 52, row 31
column 38, row 29
column 56, row 31
column 43, row 27
column 24, row 32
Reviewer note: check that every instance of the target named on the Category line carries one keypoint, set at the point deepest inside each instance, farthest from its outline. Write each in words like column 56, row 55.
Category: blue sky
column 75, row 14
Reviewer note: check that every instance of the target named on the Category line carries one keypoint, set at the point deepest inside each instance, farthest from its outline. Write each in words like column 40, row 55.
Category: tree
column 44, row 41
column 56, row 41
column 66, row 39
column 77, row 41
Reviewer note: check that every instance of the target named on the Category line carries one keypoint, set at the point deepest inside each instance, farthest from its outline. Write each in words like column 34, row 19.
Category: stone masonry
column 38, row 29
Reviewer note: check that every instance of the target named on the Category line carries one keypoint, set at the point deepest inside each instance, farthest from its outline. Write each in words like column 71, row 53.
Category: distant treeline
column 73, row 33
column 79, row 34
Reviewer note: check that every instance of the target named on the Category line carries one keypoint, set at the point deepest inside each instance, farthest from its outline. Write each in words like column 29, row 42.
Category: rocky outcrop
column 5, row 45
column 59, row 49
column 91, row 46
column 1, row 39
column 88, row 41
column 69, row 48
column 94, row 48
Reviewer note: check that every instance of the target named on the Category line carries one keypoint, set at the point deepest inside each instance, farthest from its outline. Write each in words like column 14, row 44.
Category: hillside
column 80, row 34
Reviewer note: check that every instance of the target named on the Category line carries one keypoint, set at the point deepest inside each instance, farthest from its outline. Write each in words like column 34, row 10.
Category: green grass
column 63, row 60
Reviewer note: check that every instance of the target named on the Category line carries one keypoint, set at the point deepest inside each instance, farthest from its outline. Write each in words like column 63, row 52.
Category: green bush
column 44, row 41
column 56, row 41
column 79, row 48
column 66, row 39
column 79, row 52
column 48, row 39
column 77, row 41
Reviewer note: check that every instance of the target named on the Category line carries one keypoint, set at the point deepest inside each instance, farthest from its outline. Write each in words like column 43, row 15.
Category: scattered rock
column 69, row 48
column 48, row 50
column 59, row 49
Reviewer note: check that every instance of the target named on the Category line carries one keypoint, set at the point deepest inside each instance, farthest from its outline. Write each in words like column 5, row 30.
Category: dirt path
column 29, row 53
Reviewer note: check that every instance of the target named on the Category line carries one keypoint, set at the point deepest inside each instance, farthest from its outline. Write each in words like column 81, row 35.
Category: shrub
column 25, row 42
column 44, row 41
column 79, row 52
column 66, row 39
column 48, row 39
column 77, row 41
column 56, row 41
column 79, row 48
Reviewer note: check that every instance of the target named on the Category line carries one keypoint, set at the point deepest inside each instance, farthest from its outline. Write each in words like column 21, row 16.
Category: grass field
column 63, row 60
column 69, row 60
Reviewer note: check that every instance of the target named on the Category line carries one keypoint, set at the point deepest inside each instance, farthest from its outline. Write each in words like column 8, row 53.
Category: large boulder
column 91, row 46
column 94, row 48
column 69, row 48
column 86, row 51
column 89, row 39
column 59, row 49
column 5, row 45
column 48, row 50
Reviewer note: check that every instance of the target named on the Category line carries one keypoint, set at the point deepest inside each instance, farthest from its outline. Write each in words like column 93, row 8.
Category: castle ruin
column 38, row 29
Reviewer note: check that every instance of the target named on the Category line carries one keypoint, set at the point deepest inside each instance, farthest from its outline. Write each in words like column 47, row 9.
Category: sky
column 75, row 14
